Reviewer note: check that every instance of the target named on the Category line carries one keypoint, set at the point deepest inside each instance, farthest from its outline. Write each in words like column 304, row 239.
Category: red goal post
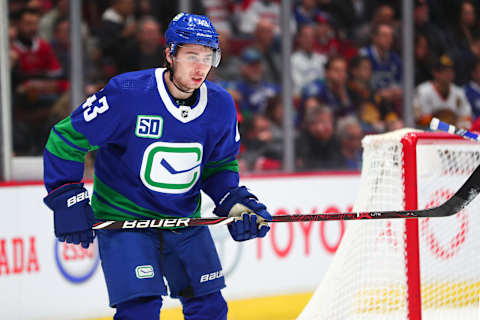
column 413, row 268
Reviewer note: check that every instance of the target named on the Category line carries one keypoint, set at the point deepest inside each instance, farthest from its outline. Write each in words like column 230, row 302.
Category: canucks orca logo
column 171, row 167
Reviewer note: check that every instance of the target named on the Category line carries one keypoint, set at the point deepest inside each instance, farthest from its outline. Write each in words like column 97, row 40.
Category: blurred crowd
column 346, row 68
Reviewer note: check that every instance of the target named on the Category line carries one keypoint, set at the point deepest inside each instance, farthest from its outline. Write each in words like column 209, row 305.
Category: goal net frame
column 409, row 141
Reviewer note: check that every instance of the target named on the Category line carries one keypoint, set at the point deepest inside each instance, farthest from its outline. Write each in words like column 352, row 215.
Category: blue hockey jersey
column 386, row 72
column 153, row 156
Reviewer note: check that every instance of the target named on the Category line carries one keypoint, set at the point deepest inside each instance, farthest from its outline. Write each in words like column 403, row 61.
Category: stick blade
column 462, row 198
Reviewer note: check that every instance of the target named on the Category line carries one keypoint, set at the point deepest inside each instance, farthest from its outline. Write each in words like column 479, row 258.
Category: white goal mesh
column 407, row 269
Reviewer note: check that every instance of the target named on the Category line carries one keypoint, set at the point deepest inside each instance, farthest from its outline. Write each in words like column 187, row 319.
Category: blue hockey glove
column 250, row 214
column 73, row 217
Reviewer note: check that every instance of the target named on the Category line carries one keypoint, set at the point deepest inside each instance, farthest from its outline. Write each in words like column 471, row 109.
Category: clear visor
column 211, row 59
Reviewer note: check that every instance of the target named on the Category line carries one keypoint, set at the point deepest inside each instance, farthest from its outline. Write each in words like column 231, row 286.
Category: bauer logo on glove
column 250, row 214
column 78, row 198
column 73, row 217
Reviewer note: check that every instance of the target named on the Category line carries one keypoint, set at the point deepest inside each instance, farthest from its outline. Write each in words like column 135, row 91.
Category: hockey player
column 162, row 136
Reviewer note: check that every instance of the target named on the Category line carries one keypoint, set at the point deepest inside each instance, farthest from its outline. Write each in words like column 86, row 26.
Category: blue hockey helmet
column 188, row 28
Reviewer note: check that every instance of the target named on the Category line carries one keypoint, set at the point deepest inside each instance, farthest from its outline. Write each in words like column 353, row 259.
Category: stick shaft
column 467, row 192
column 457, row 202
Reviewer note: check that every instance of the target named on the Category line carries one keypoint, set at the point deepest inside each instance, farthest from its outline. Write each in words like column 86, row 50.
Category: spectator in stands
column 61, row 45
column 386, row 64
column 434, row 36
column 251, row 92
column 360, row 80
column 441, row 98
column 333, row 91
column 263, row 146
column 264, row 43
column 307, row 65
column 317, row 147
column 472, row 90
column 350, row 15
column 47, row 21
column 423, row 58
column 38, row 88
column 467, row 24
column 274, row 112
column 117, row 28
column 326, row 41
column 383, row 14
column 373, row 110
column 462, row 37
column 36, row 58
column 350, row 134
column 306, row 105
column 254, row 11
column 146, row 50
column 306, row 12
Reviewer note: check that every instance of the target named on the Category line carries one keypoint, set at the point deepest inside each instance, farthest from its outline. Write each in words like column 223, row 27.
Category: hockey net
column 407, row 268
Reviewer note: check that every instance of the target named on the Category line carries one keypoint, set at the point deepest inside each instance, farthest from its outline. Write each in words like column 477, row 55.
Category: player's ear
column 167, row 55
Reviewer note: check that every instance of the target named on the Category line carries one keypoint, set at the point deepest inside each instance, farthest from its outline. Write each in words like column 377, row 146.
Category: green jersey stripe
column 61, row 149
column 230, row 166
column 106, row 212
column 117, row 200
column 67, row 131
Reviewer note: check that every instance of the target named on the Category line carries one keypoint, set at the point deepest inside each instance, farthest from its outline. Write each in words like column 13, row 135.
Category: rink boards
column 45, row 279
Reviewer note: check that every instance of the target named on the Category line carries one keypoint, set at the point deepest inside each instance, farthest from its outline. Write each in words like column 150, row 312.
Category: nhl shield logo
column 184, row 111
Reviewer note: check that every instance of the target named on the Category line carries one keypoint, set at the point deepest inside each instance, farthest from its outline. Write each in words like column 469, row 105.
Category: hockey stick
column 467, row 192
column 436, row 124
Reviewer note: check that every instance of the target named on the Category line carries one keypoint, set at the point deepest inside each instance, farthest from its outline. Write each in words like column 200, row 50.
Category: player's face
column 191, row 65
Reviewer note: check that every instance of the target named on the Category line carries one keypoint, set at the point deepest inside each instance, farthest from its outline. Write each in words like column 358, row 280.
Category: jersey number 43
column 92, row 109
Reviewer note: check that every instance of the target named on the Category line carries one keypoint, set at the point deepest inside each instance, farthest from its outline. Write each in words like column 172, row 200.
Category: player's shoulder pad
column 214, row 88
column 135, row 81
column 218, row 97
